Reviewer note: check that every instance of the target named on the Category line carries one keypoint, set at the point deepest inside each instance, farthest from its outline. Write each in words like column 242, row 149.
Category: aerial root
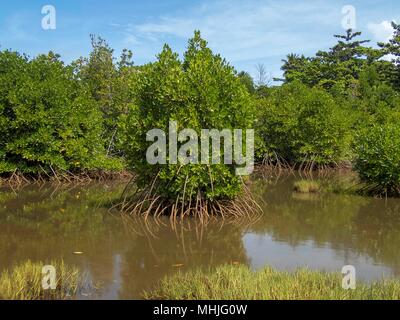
column 148, row 203
column 19, row 179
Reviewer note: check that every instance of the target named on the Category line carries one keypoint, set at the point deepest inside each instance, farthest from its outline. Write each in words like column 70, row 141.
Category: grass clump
column 348, row 184
column 24, row 282
column 307, row 186
column 240, row 283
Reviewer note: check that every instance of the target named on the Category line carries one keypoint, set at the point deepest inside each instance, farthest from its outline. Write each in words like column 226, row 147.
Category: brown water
column 323, row 232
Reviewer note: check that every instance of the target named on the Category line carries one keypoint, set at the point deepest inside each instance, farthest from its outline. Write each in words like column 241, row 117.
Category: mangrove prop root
column 147, row 203
column 18, row 179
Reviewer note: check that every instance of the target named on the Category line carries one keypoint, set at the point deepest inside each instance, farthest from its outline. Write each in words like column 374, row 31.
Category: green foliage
column 248, row 81
column 373, row 100
column 200, row 92
column 378, row 157
column 47, row 119
column 392, row 71
column 300, row 124
column 109, row 83
column 335, row 70
column 298, row 68
column 82, row 116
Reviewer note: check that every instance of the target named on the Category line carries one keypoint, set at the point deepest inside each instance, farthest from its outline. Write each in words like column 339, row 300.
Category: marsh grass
column 24, row 282
column 231, row 282
column 307, row 186
column 336, row 182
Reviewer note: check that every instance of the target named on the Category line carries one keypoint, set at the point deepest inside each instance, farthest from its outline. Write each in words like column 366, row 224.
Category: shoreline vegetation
column 309, row 182
column 317, row 181
column 238, row 282
column 89, row 120
column 86, row 176
column 24, row 282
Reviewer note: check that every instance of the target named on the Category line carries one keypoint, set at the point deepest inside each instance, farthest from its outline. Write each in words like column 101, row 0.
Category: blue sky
column 244, row 32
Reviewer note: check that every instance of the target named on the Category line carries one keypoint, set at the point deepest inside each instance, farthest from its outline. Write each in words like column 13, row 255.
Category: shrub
column 378, row 158
column 48, row 122
column 303, row 125
column 200, row 92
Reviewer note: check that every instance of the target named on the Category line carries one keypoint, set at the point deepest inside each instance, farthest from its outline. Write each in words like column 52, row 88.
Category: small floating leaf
column 177, row 265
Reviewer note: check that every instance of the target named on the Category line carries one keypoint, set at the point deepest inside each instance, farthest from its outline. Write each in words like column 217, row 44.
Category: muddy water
column 322, row 232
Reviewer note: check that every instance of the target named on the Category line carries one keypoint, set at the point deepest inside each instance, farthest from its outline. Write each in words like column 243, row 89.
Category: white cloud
column 246, row 31
column 382, row 31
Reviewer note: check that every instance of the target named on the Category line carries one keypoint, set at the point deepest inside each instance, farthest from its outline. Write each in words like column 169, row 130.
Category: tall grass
column 24, row 282
column 239, row 282
column 307, row 186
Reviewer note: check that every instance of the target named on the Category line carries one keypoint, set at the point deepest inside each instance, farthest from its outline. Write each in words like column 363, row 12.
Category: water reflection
column 326, row 231
column 319, row 231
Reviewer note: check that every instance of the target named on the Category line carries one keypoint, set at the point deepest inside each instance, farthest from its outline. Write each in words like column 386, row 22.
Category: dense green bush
column 47, row 119
column 375, row 96
column 378, row 158
column 301, row 124
column 56, row 117
column 200, row 92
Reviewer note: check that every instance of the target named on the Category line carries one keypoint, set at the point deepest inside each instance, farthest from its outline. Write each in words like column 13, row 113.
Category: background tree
column 392, row 48
column 336, row 70
column 109, row 84
column 262, row 76
column 248, row 81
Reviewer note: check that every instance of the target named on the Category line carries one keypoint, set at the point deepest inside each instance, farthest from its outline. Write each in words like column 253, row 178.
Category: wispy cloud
column 244, row 31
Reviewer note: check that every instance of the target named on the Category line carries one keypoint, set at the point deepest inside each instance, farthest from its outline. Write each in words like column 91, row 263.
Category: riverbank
column 238, row 282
